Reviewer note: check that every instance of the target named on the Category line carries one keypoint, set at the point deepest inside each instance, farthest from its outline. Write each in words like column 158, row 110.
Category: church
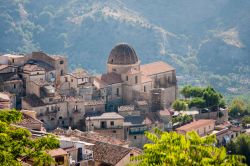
column 127, row 81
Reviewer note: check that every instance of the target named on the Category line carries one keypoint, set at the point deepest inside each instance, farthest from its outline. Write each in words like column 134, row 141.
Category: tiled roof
column 32, row 68
column 33, row 101
column 109, row 154
column 156, row 68
column 57, row 152
column 145, row 79
column 27, row 119
column 165, row 112
column 196, row 125
column 3, row 66
column 79, row 73
column 107, row 115
column 91, row 137
column 110, row 78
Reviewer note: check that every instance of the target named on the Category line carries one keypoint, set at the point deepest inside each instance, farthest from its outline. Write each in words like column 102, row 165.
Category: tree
column 246, row 120
column 179, row 105
column 16, row 142
column 240, row 146
column 203, row 97
column 171, row 148
column 237, row 108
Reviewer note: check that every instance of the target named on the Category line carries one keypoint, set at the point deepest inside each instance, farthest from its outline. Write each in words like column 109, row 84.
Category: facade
column 110, row 124
column 127, row 81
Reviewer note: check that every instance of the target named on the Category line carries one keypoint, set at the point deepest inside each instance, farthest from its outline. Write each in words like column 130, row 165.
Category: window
column 112, row 123
column 42, row 120
column 59, row 160
column 114, row 131
column 113, row 69
column 61, row 72
column 60, row 117
column 136, row 79
column 50, row 99
column 118, row 92
column 47, row 108
column 103, row 124
column 126, row 78
column 13, row 60
column 61, row 62
column 145, row 89
column 66, row 79
column 131, row 154
column 37, row 73
column 135, row 137
column 52, row 119
column 72, row 80
column 14, row 86
column 75, row 107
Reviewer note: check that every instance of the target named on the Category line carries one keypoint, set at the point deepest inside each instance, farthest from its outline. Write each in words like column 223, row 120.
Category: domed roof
column 122, row 54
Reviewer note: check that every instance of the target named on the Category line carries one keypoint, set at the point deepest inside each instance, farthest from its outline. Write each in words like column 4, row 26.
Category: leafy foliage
column 182, row 119
column 203, row 97
column 240, row 146
column 17, row 143
column 238, row 108
column 246, row 120
column 171, row 148
column 179, row 105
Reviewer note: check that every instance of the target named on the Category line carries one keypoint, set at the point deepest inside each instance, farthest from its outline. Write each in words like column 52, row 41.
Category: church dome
column 122, row 54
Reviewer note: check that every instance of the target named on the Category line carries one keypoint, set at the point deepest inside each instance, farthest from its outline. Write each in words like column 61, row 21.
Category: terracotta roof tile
column 145, row 79
column 110, row 78
column 28, row 120
column 196, row 125
column 57, row 152
column 109, row 154
column 155, row 68
column 32, row 68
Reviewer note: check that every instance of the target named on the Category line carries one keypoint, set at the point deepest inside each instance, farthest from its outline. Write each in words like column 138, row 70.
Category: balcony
column 137, row 130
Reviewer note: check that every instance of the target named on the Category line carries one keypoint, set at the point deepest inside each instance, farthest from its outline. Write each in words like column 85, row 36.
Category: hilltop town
column 101, row 119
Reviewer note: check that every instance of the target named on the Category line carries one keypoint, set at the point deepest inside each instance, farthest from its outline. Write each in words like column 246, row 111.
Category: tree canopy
column 202, row 97
column 179, row 105
column 16, row 143
column 238, row 107
column 171, row 148
column 241, row 146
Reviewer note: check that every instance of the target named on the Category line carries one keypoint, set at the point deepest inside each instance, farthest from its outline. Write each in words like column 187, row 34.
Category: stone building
column 127, row 81
column 7, row 100
column 109, row 123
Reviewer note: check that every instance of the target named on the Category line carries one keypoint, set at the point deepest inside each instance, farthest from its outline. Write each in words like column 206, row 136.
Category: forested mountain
column 207, row 41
